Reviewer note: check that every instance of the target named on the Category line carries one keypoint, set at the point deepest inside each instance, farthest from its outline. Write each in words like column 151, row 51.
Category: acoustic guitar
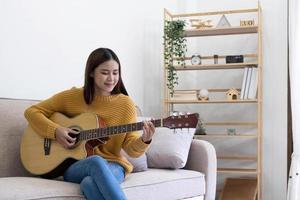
column 47, row 158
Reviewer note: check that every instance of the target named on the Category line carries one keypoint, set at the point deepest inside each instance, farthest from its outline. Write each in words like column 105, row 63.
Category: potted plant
column 174, row 50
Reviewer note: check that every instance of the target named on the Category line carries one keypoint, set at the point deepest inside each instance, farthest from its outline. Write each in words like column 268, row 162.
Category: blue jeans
column 98, row 178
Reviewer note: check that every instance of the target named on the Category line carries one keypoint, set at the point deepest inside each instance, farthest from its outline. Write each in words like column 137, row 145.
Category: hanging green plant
column 174, row 50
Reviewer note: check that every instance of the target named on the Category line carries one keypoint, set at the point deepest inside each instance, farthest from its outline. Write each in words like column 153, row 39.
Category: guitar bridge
column 47, row 146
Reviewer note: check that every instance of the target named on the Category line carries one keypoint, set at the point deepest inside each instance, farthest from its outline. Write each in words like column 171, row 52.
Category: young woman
column 104, row 94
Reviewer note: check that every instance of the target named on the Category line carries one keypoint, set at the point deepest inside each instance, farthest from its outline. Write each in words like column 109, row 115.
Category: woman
column 104, row 94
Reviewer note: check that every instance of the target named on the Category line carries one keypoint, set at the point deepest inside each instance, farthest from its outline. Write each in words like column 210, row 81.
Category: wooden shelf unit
column 169, row 102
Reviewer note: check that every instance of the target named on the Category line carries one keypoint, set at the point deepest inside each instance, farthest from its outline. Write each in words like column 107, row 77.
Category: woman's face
column 106, row 77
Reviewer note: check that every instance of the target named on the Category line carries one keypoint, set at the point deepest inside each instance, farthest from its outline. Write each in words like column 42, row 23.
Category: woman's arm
column 38, row 115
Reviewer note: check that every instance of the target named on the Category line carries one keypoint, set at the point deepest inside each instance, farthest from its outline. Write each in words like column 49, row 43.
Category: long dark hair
column 96, row 58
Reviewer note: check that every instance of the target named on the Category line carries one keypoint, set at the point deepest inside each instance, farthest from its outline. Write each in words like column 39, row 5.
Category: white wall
column 44, row 46
column 275, row 98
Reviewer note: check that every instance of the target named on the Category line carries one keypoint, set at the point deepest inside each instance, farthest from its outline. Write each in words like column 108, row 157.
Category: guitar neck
column 114, row 130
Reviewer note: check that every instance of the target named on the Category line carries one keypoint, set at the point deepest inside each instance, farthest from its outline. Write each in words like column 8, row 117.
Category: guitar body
column 35, row 158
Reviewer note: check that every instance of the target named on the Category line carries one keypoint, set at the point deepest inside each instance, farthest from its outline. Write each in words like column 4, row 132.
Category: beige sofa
column 196, row 181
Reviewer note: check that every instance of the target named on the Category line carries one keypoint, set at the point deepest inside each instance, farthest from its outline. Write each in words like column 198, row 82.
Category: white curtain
column 294, row 60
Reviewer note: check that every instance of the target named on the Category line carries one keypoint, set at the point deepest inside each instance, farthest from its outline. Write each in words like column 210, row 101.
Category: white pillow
column 139, row 164
column 170, row 148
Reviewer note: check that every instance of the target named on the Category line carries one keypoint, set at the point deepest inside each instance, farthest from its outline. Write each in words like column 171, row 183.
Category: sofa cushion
column 19, row 188
column 143, row 185
column 12, row 126
column 164, row 184
column 170, row 148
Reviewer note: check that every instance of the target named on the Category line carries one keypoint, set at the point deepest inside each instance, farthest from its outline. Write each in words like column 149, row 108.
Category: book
column 244, row 82
column 247, row 87
column 253, row 84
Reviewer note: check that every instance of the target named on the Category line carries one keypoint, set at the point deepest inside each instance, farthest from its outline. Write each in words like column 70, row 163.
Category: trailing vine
column 174, row 50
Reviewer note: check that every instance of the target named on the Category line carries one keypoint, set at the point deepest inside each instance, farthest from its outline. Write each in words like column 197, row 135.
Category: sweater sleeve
column 133, row 144
column 38, row 115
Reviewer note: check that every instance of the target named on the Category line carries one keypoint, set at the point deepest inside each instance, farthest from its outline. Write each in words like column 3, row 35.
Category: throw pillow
column 170, row 148
column 139, row 164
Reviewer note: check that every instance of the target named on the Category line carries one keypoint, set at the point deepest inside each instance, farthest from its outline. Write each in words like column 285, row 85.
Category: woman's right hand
column 62, row 137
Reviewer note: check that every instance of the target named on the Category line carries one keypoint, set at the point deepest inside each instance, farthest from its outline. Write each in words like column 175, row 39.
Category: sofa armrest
column 202, row 157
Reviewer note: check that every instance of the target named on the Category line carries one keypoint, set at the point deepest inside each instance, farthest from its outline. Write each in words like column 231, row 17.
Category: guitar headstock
column 181, row 121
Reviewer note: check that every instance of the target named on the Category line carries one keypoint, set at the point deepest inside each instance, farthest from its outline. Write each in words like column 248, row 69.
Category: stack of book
column 185, row 95
column 250, row 83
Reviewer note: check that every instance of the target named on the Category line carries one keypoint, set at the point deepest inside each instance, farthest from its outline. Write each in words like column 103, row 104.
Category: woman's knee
column 96, row 161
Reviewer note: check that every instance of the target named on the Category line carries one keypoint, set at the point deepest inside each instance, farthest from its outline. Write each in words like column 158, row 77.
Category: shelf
column 236, row 171
column 237, row 158
column 224, row 12
column 194, row 91
column 221, row 31
column 224, row 136
column 183, row 101
column 216, row 66
column 220, row 57
column 230, row 123
column 248, row 132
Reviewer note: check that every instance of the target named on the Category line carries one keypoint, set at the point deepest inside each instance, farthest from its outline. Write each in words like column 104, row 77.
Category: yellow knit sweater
column 114, row 110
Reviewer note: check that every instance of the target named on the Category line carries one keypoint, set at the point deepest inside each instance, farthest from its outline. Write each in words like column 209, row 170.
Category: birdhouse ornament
column 232, row 94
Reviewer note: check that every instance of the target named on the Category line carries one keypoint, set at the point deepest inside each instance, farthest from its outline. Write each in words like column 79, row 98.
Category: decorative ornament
column 200, row 24
column 223, row 23
column 232, row 94
column 216, row 57
column 234, row 59
column 202, row 94
column 247, row 22
column 231, row 131
column 196, row 59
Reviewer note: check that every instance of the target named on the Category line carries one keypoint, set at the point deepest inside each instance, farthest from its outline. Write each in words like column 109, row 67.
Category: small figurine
column 202, row 94
column 200, row 24
column 223, row 23
column 216, row 59
column 232, row 94
column 231, row 131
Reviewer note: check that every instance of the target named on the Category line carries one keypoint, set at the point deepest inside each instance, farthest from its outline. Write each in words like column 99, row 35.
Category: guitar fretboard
column 113, row 130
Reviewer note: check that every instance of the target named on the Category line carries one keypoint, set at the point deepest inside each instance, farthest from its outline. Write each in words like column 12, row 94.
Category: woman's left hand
column 148, row 131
